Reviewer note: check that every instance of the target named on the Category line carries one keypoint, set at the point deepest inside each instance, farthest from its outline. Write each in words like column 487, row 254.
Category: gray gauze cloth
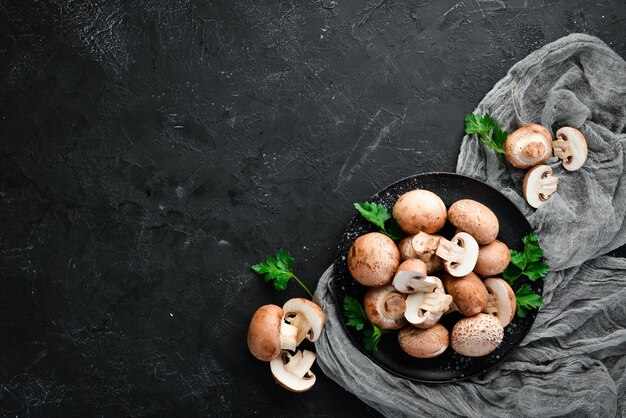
column 573, row 360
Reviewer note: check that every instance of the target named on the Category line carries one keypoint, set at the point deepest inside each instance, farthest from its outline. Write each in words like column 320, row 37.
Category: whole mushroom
column 492, row 259
column 420, row 210
column 268, row 334
column 571, row 147
column 476, row 336
column 424, row 309
column 424, row 343
column 384, row 306
column 528, row 146
column 539, row 184
column 501, row 302
column 373, row 259
column 476, row 219
column 468, row 292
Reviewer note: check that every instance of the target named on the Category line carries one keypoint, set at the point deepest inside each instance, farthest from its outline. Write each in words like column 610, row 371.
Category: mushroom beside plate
column 450, row 366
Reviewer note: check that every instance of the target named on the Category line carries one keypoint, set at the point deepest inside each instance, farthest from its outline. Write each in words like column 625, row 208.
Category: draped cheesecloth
column 573, row 361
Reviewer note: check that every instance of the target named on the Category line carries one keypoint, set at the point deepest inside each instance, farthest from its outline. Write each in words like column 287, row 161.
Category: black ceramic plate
column 449, row 366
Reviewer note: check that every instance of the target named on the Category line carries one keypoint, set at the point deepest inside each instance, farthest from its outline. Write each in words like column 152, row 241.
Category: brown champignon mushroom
column 420, row 210
column 571, row 147
column 424, row 343
column 421, row 246
column 476, row 219
column 409, row 277
column 373, row 259
column 492, row 259
column 528, row 146
column 468, row 292
column 306, row 316
column 424, row 309
column 294, row 372
column 384, row 306
column 459, row 254
column 268, row 334
column 476, row 336
column 501, row 302
column 539, row 185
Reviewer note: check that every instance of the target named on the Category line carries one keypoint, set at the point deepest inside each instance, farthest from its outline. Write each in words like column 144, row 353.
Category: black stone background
column 153, row 150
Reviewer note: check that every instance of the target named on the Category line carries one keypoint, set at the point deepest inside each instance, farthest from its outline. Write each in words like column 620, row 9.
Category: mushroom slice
column 460, row 254
column 294, row 372
column 571, row 147
column 528, row 146
column 501, row 300
column 268, row 334
column 412, row 282
column 384, row 306
column 304, row 315
column 424, row 309
column 539, row 184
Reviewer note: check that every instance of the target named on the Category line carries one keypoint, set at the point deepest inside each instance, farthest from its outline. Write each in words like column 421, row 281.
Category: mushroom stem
column 435, row 302
column 392, row 306
column 300, row 363
column 547, row 185
column 301, row 324
column 450, row 251
column 424, row 245
column 561, row 149
column 491, row 307
column 533, row 149
column 288, row 336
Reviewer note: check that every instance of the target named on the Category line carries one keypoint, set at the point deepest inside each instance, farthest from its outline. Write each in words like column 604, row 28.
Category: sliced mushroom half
column 306, row 317
column 294, row 372
column 424, row 309
column 539, row 184
column 460, row 254
column 528, row 146
column 571, row 147
column 384, row 306
column 410, row 277
column 501, row 300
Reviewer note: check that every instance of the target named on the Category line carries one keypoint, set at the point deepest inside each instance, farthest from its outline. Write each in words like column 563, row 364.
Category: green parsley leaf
column 490, row 133
column 518, row 259
column 372, row 337
column 354, row 313
column 528, row 262
column 278, row 270
column 532, row 250
column 379, row 216
column 527, row 299
column 536, row 270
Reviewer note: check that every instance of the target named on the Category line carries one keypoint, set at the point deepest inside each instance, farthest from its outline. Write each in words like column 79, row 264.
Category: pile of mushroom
column 275, row 331
column 531, row 146
column 413, row 284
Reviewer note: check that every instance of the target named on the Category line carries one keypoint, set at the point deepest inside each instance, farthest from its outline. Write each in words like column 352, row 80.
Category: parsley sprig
column 279, row 270
column 527, row 263
column 379, row 216
column 491, row 134
column 356, row 318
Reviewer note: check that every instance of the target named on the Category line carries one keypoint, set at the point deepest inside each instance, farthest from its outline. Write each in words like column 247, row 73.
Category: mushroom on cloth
column 424, row 343
column 474, row 218
column 460, row 254
column 528, row 146
column 492, row 259
column 384, row 306
column 571, row 147
column 539, row 185
column 420, row 210
column 476, row 336
column 424, row 309
column 373, row 259
column 294, row 372
column 501, row 300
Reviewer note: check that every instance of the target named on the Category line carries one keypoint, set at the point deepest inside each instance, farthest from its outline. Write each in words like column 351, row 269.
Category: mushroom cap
column 468, row 292
column 476, row 336
column 415, row 265
column 373, row 259
column 420, row 210
column 492, row 259
column 539, row 184
column 264, row 332
column 501, row 300
column 305, row 315
column 528, row 146
column 405, row 248
column 424, row 343
column 384, row 306
column 476, row 219
column 571, row 147
column 465, row 247
column 294, row 372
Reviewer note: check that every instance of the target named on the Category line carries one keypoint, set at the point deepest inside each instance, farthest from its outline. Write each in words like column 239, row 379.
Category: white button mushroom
column 420, row 210
column 384, row 306
column 501, row 301
column 268, row 334
column 476, row 219
column 424, row 343
column 294, row 372
column 476, row 336
column 539, row 184
column 528, row 146
column 571, row 147
column 373, row 259
column 424, row 309
column 492, row 259
column 460, row 254
column 306, row 316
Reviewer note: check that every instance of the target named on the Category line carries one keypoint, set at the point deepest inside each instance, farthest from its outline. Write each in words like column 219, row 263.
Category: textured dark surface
column 152, row 150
